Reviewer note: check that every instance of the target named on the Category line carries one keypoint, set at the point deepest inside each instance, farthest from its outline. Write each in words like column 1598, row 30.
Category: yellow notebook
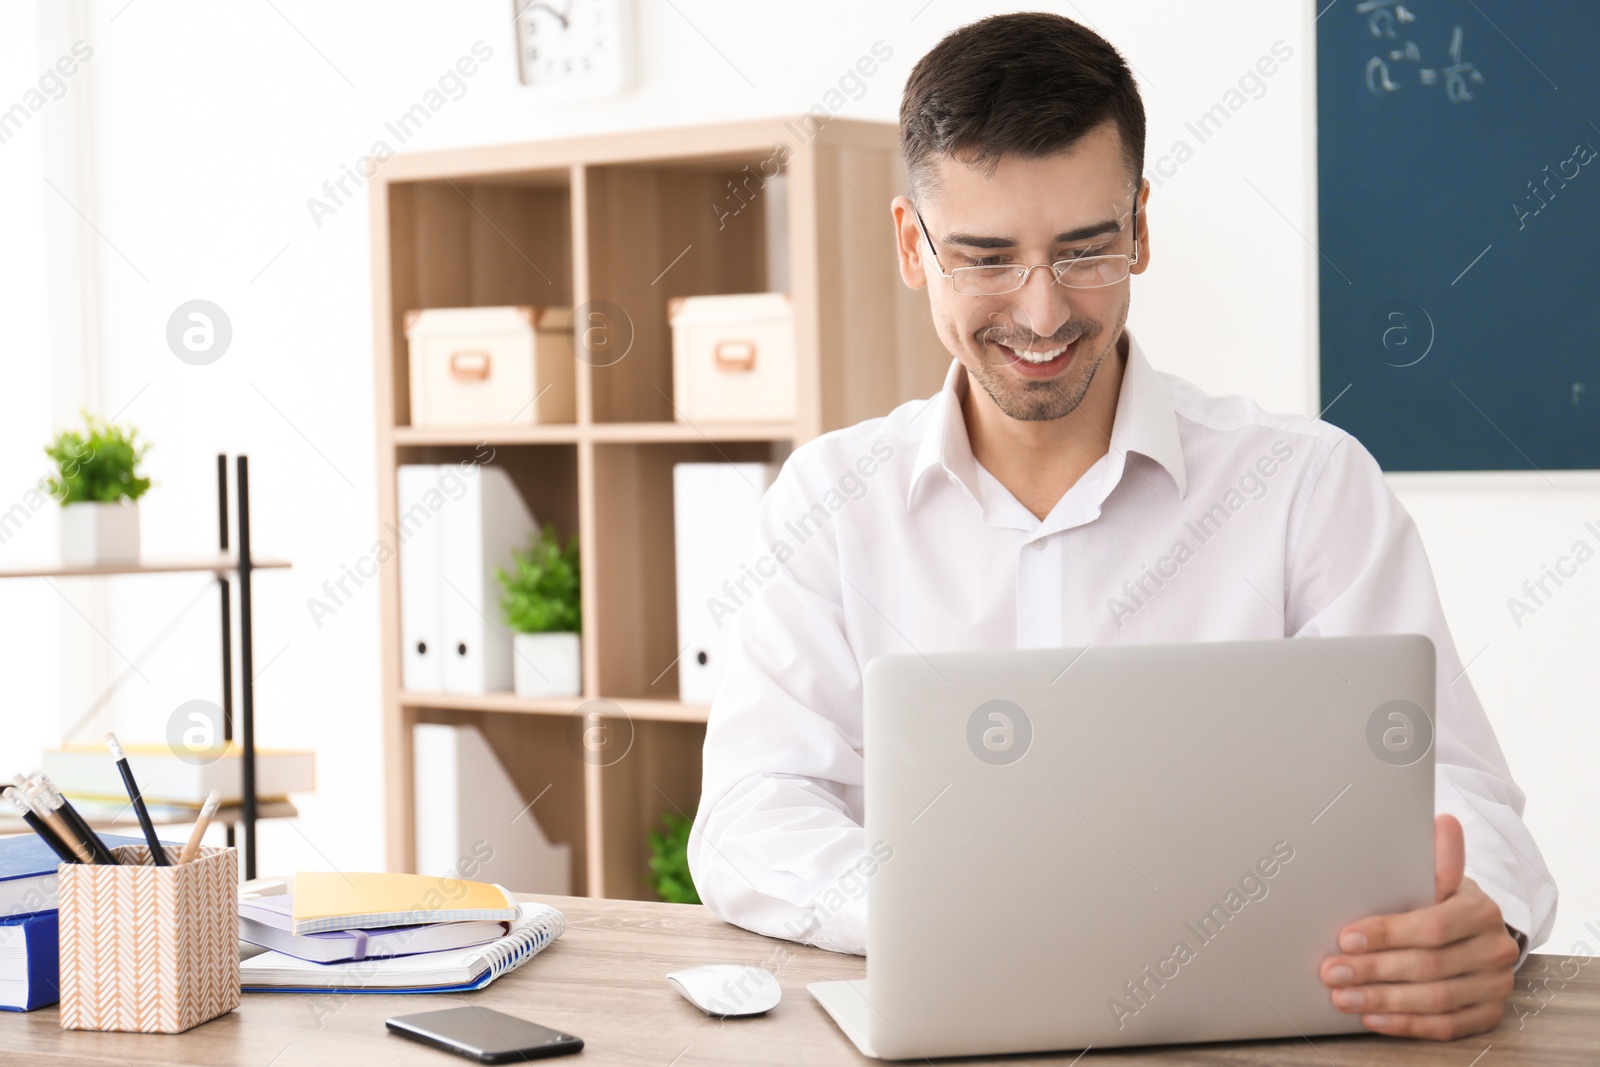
column 333, row 900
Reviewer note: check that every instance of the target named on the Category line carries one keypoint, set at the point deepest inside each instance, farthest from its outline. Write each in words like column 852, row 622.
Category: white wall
column 28, row 645
column 217, row 122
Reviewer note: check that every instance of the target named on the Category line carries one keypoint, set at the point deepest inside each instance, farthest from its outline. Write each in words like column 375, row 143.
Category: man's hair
column 1028, row 84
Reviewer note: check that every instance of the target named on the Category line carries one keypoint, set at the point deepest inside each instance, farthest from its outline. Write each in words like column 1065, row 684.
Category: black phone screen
column 484, row 1034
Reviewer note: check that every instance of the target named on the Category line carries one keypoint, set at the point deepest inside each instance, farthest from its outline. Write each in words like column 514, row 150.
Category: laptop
column 1133, row 845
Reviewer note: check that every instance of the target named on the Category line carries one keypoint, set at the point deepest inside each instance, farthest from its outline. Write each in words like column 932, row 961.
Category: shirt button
column 1039, row 544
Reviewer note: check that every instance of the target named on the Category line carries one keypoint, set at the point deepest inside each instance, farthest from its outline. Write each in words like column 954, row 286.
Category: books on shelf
column 166, row 779
column 268, row 921
column 337, row 900
column 427, row 972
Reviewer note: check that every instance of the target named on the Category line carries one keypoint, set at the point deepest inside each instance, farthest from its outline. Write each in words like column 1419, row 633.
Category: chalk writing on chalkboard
column 1458, row 330
column 1384, row 18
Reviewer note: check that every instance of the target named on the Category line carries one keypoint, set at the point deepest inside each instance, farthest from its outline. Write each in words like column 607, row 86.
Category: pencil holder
column 146, row 948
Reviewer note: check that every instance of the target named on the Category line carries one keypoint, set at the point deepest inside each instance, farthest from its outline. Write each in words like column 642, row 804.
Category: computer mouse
column 728, row 989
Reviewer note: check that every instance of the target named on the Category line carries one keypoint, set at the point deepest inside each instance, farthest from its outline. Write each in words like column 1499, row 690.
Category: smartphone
column 484, row 1034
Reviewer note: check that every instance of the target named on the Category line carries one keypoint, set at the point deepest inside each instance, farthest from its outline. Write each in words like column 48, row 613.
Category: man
column 1059, row 491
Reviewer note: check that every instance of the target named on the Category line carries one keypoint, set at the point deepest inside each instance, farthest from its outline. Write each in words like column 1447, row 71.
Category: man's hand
column 1440, row 972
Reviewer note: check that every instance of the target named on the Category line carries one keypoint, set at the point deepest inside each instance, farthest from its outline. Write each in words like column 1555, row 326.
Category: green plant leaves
column 669, row 861
column 541, row 589
column 100, row 465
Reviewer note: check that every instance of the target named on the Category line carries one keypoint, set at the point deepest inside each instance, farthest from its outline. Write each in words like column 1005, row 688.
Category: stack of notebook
column 29, row 964
column 389, row 933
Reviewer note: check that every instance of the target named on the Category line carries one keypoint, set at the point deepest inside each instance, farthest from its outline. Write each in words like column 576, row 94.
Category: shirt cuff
column 1514, row 912
column 1522, row 945
column 836, row 923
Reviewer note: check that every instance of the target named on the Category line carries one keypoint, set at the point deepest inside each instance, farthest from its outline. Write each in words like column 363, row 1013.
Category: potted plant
column 98, row 482
column 669, row 860
column 541, row 607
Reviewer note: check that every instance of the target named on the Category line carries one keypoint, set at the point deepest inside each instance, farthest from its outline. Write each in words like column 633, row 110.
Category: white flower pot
column 100, row 533
column 546, row 665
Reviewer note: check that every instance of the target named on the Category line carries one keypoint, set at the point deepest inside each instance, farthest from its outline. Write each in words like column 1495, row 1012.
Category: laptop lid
column 1136, row 844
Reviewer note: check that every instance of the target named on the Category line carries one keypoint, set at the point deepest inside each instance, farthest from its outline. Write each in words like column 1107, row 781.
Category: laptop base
column 847, row 1003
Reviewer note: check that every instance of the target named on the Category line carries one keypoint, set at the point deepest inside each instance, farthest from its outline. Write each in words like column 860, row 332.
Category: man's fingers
column 1474, row 1020
column 1449, row 857
column 1425, row 998
column 1491, row 949
column 1438, row 972
column 1469, row 912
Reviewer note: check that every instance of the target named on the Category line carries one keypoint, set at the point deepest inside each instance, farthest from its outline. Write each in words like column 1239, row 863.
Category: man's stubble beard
column 1028, row 401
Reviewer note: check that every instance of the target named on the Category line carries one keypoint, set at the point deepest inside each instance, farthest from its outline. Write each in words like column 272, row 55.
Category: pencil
column 41, row 804
column 39, row 826
column 207, row 810
column 158, row 855
column 79, row 825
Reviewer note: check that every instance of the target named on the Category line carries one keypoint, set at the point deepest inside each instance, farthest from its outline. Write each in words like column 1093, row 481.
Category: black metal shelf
column 228, row 568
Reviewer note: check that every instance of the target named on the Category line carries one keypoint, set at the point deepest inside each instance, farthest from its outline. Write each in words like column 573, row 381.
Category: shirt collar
column 1145, row 424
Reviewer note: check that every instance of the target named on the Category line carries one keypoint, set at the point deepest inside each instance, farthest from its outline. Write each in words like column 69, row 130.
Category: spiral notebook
column 450, row 971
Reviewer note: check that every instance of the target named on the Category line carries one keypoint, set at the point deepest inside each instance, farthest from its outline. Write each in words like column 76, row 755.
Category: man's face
column 1034, row 351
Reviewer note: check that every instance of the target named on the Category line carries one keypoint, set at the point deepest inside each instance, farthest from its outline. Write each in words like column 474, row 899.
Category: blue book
column 30, row 962
column 28, row 872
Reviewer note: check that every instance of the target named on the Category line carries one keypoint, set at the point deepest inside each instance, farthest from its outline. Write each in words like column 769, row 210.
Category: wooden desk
column 604, row 981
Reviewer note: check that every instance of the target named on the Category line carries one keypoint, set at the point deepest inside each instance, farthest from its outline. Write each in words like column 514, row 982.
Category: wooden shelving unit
column 634, row 220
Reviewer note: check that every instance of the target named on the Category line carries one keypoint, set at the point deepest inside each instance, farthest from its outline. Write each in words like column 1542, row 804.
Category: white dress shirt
column 1208, row 519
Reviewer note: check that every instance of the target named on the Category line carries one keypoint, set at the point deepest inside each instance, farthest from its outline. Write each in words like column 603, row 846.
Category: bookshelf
column 229, row 567
column 634, row 220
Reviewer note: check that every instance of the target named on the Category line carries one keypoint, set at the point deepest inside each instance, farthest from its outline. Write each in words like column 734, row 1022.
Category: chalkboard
column 1459, row 219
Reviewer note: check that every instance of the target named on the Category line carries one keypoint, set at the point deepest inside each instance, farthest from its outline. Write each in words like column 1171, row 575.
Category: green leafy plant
column 669, row 861
column 99, row 464
column 541, row 589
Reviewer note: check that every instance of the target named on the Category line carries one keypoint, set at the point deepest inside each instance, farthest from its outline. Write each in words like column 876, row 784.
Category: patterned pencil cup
column 146, row 948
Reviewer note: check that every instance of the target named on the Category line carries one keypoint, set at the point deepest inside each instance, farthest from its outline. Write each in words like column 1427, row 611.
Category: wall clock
column 575, row 49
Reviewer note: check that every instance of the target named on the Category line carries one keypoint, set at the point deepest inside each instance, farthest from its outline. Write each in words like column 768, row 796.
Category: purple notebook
column 266, row 921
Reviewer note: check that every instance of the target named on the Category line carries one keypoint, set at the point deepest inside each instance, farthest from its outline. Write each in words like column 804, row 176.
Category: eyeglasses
column 1082, row 272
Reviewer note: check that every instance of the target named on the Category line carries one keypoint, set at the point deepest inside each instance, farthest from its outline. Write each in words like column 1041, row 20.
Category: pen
column 31, row 817
column 41, row 804
column 80, row 825
column 207, row 810
column 158, row 855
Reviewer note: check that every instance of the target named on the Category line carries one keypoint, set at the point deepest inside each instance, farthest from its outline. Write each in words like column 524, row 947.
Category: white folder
column 476, row 535
column 421, row 660
column 716, row 506
column 471, row 816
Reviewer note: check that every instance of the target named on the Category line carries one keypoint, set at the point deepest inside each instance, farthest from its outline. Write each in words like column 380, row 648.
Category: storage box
column 491, row 366
column 733, row 357
column 149, row 949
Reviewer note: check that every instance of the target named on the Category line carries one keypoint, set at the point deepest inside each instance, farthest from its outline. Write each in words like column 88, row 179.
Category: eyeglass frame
column 1051, row 267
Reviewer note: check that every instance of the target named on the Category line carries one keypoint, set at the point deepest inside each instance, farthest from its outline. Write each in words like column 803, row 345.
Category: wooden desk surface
column 604, row 981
